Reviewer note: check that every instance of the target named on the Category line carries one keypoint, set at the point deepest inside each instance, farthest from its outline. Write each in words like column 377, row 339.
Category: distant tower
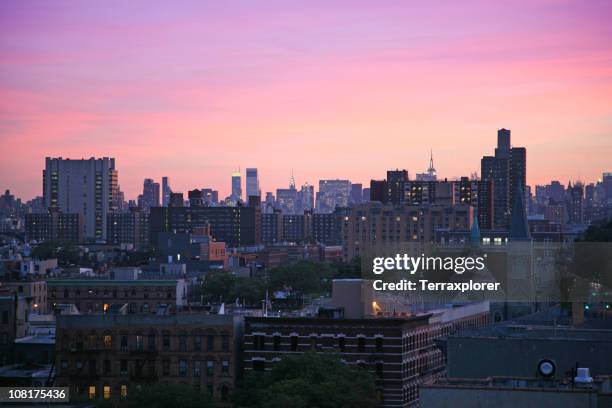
column 431, row 170
column 292, row 181
column 430, row 174
column 236, row 186
column 166, row 191
column 252, row 184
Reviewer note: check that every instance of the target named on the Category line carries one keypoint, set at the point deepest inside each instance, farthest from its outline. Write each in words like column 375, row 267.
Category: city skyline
column 195, row 91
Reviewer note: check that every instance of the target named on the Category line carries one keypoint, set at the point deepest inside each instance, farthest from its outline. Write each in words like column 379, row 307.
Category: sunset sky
column 346, row 89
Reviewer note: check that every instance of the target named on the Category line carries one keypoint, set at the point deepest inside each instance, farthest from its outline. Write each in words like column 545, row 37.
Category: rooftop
column 140, row 320
column 109, row 282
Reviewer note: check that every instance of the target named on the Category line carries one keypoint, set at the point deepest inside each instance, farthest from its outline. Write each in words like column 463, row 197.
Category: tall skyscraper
column 252, row 184
column 396, row 183
column 166, row 191
column 88, row 187
column 332, row 194
column 150, row 194
column 306, row 198
column 507, row 172
column 236, row 187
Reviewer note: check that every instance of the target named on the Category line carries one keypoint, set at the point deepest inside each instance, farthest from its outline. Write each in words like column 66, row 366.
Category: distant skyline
column 194, row 90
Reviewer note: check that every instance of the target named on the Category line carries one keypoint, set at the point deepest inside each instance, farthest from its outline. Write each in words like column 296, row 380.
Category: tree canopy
column 308, row 380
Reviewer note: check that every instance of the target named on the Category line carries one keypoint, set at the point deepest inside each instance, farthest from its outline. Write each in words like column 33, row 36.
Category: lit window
column 92, row 392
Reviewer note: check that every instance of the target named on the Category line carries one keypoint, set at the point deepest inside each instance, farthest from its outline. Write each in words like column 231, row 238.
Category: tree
column 65, row 252
column 308, row 380
column 162, row 396
column 304, row 276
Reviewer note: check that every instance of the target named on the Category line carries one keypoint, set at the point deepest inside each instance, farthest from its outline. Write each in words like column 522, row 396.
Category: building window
column 166, row 367
column 225, row 367
column 260, row 342
column 379, row 344
column 294, row 343
column 64, row 366
column 361, row 344
column 210, row 368
column 210, row 342
column 197, row 343
column 225, row 342
column 5, row 316
column 139, row 342
column 313, row 342
column 123, row 391
column 182, row 342
column 106, row 367
column 224, row 393
column 91, row 341
column 341, row 344
column 92, row 368
column 379, row 369
column 124, row 342
column 123, row 367
column 107, row 392
column 166, row 342
column 92, row 392
column 183, row 368
column 197, row 368
column 277, row 342
column 151, row 342
column 108, row 341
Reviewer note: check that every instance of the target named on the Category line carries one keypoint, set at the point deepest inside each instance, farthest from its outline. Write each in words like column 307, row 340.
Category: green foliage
column 351, row 269
column 308, row 380
column 225, row 287
column 162, row 396
column 304, row 277
column 66, row 253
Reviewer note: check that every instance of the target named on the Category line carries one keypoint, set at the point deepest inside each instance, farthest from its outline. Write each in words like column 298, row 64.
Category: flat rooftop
column 521, row 383
column 141, row 320
column 530, row 331
column 111, row 282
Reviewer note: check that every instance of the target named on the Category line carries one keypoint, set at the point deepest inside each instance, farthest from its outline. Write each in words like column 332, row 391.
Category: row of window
column 143, row 368
column 148, row 342
column 259, row 343
column 115, row 293
column 92, row 391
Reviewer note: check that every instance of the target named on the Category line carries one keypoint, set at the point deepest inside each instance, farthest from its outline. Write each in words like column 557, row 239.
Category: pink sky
column 348, row 89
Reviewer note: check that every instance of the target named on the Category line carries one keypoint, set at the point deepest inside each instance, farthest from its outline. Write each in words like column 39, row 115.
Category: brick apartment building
column 103, row 357
column 400, row 352
column 97, row 295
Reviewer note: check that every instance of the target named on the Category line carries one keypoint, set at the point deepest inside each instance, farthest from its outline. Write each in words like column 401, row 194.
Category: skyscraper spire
column 292, row 180
column 431, row 170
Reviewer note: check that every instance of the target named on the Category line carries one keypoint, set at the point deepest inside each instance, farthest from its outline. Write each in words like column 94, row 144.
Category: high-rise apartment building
column 236, row 187
column 87, row 186
column 507, row 171
column 252, row 183
column 166, row 191
column 150, row 195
